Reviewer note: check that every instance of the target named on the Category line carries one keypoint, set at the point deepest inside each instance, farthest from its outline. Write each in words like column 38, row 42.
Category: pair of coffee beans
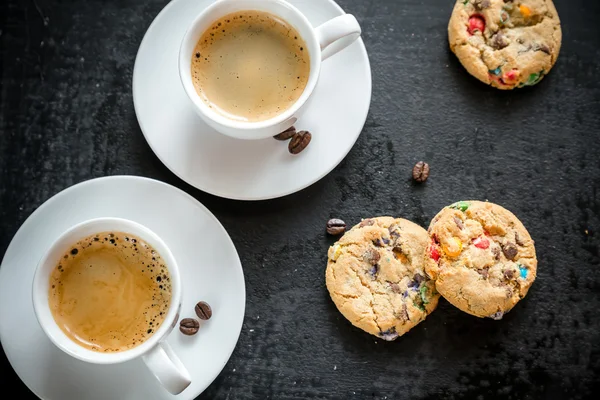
column 190, row 326
column 298, row 140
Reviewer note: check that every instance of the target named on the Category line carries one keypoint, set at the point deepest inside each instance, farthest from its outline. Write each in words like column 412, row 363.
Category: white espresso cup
column 334, row 35
column 155, row 351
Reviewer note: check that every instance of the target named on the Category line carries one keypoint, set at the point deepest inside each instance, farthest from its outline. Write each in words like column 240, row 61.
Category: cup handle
column 337, row 34
column 168, row 368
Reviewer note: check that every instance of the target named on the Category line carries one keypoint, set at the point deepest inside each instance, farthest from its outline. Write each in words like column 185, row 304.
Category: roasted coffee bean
column 336, row 226
column 286, row 135
column 299, row 142
column 371, row 256
column 510, row 250
column 499, row 41
column 420, row 171
column 189, row 326
column 203, row 310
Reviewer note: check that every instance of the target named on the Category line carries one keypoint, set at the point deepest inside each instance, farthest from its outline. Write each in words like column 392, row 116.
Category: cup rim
column 58, row 337
column 315, row 69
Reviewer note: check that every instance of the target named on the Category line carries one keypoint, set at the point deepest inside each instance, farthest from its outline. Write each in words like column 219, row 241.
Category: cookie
column 376, row 279
column 481, row 256
column 506, row 43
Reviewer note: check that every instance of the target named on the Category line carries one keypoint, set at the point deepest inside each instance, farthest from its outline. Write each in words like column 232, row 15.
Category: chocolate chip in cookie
column 496, row 253
column 484, row 272
column 481, row 5
column 371, row 256
column 416, row 282
column 542, row 48
column 459, row 223
column 518, row 239
column 499, row 41
column 380, row 242
column 389, row 335
column 510, row 250
column 373, row 271
column 497, row 315
column 393, row 230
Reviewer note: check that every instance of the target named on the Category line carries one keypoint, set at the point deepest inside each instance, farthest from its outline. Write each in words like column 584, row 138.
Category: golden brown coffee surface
column 110, row 292
column 250, row 66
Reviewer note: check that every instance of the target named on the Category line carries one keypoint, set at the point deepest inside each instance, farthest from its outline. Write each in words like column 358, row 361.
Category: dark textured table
column 67, row 116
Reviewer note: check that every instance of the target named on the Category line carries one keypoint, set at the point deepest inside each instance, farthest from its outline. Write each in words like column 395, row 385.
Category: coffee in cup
column 110, row 292
column 250, row 66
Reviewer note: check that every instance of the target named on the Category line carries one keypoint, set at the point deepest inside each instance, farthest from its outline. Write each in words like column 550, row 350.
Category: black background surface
column 67, row 116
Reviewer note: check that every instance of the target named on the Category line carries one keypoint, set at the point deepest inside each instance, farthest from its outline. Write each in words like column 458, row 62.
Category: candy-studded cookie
column 376, row 279
column 505, row 43
column 481, row 256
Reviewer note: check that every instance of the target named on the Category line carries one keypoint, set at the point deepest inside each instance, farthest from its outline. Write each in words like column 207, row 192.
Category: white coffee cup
column 155, row 351
column 334, row 35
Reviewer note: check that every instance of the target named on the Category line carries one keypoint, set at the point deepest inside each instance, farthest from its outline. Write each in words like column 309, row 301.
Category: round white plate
column 210, row 271
column 244, row 169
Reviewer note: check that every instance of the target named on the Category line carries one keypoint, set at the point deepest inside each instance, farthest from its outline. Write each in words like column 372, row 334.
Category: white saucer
column 244, row 169
column 210, row 271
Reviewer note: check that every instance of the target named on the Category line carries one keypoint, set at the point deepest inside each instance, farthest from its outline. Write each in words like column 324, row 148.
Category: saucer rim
column 66, row 191
column 231, row 196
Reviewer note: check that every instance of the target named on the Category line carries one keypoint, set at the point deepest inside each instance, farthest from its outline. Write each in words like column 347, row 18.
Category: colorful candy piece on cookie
column 453, row 247
column 488, row 262
column 523, row 271
column 506, row 45
column 460, row 205
column 534, row 78
column 434, row 252
column 376, row 278
column 526, row 11
column 481, row 242
column 476, row 24
column 511, row 75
